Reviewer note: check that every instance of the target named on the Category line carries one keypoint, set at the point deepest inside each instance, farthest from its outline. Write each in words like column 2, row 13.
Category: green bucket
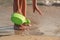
column 27, row 22
column 18, row 18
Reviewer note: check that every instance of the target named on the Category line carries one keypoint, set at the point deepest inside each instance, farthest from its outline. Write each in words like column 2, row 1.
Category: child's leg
column 24, row 7
column 33, row 5
column 19, row 6
column 15, row 6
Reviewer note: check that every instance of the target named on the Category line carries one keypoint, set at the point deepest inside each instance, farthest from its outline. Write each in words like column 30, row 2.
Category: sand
column 19, row 37
column 48, row 23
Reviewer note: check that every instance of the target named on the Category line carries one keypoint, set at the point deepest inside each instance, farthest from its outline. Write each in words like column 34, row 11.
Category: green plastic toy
column 19, row 19
column 27, row 21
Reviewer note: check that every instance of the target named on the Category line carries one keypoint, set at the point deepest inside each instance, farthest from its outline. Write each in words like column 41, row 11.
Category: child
column 20, row 7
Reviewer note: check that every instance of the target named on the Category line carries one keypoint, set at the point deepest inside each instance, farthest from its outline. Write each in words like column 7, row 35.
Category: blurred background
column 48, row 23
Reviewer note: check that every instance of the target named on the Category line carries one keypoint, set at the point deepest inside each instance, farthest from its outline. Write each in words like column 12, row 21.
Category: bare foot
column 23, row 27
column 20, row 27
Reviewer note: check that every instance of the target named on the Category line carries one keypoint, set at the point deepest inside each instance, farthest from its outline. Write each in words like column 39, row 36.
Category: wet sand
column 48, row 23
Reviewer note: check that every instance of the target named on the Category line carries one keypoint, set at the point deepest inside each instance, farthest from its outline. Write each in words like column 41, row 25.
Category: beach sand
column 18, row 37
column 48, row 24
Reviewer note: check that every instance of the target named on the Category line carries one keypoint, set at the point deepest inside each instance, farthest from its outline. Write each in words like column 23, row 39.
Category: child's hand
column 35, row 7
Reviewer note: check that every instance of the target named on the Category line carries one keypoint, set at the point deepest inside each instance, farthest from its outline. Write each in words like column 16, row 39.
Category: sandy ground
column 47, row 24
column 18, row 37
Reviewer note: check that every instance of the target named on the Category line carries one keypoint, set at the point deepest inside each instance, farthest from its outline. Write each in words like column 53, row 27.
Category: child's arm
column 35, row 7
